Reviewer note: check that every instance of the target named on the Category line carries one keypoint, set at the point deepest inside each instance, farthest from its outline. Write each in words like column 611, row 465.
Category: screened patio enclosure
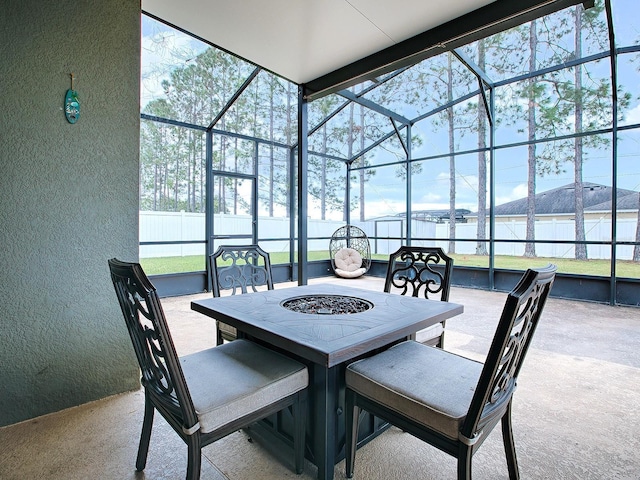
column 508, row 136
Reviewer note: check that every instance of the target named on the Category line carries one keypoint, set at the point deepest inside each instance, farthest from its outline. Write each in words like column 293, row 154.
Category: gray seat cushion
column 429, row 385
column 430, row 333
column 232, row 380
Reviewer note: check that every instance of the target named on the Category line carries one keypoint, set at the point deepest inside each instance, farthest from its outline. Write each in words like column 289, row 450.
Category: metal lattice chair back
column 421, row 272
column 239, row 269
column 519, row 320
column 192, row 392
column 449, row 401
column 162, row 376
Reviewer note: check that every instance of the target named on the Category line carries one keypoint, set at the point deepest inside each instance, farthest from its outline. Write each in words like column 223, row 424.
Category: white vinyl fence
column 597, row 230
column 183, row 226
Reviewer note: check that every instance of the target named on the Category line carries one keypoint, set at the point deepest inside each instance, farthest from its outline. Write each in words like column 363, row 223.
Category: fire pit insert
column 327, row 304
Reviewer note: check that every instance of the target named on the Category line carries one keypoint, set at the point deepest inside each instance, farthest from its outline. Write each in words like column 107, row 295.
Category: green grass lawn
column 628, row 269
column 196, row 263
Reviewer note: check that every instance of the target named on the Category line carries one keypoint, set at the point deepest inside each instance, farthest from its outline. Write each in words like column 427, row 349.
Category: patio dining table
column 326, row 327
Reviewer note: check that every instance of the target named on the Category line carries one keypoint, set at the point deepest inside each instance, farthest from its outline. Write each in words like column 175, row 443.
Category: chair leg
column 352, row 416
column 464, row 462
column 299, row 410
column 145, row 435
column 219, row 339
column 509, row 445
column 194, row 459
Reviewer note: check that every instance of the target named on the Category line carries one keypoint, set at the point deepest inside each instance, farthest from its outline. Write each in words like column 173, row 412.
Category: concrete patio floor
column 576, row 412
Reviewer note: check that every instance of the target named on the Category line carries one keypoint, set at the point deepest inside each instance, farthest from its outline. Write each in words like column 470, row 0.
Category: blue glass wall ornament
column 72, row 104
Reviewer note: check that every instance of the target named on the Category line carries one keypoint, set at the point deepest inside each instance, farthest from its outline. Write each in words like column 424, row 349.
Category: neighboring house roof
column 437, row 216
column 561, row 200
column 626, row 202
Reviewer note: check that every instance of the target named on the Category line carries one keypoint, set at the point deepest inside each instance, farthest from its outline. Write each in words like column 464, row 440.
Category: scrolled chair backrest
column 518, row 322
column 162, row 375
column 420, row 272
column 240, row 268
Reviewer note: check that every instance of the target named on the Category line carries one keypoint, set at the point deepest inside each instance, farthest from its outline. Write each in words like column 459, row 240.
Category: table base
column 326, row 435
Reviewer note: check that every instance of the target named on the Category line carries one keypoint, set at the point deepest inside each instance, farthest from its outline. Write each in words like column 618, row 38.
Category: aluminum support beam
column 488, row 20
column 303, row 163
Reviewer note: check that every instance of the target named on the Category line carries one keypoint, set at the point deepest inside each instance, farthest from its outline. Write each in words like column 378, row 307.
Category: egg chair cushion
column 348, row 259
column 348, row 263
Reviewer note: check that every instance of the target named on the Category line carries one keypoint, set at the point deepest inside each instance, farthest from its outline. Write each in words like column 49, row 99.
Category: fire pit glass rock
column 327, row 304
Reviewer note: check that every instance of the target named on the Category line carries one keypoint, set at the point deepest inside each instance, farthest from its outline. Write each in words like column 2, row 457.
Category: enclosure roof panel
column 302, row 40
column 328, row 45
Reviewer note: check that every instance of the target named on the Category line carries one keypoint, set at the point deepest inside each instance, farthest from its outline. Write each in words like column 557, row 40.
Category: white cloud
column 430, row 197
column 468, row 183
column 384, row 207
column 518, row 192
column 443, row 177
column 633, row 115
column 430, row 206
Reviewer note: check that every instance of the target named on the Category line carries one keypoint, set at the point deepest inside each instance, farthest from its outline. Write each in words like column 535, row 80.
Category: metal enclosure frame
column 384, row 66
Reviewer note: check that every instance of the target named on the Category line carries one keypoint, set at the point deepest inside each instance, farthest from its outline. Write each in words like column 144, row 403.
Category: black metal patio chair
column 446, row 400
column 421, row 272
column 239, row 269
column 209, row 394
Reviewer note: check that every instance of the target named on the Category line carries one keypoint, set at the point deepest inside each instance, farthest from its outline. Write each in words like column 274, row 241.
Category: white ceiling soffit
column 302, row 40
